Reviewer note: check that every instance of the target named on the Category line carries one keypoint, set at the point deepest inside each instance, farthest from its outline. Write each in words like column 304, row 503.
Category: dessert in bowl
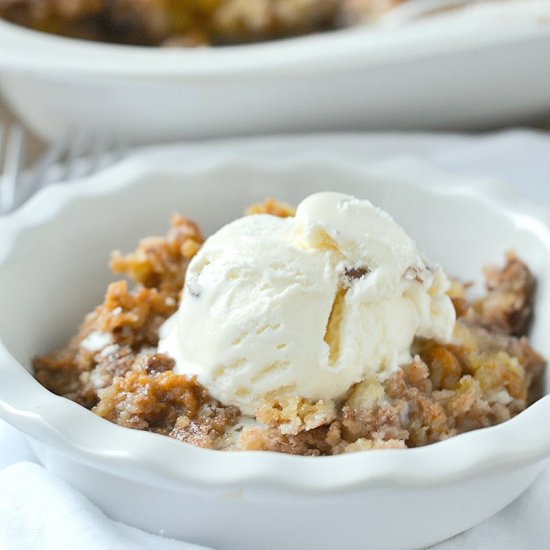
column 148, row 479
column 322, row 331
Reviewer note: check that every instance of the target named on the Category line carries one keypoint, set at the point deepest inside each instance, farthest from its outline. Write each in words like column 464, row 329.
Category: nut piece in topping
column 353, row 274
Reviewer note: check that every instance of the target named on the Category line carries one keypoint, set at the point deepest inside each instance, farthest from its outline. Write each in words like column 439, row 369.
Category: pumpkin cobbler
column 315, row 331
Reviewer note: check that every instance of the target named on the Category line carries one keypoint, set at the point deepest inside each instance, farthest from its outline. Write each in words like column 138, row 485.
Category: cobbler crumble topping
column 488, row 374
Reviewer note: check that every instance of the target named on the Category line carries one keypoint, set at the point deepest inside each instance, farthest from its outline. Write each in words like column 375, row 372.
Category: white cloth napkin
column 38, row 511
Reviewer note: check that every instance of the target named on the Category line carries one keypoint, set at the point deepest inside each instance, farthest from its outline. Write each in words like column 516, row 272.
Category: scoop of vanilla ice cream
column 305, row 306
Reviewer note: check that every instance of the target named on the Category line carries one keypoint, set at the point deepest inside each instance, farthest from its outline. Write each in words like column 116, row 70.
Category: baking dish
column 480, row 66
column 52, row 254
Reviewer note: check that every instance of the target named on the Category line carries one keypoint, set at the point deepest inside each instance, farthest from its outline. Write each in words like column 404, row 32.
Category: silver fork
column 75, row 154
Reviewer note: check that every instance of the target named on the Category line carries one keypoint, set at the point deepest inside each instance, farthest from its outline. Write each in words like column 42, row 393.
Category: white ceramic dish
column 52, row 270
column 482, row 66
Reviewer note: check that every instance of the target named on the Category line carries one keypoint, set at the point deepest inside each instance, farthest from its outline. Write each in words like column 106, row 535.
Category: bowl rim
column 471, row 28
column 74, row 431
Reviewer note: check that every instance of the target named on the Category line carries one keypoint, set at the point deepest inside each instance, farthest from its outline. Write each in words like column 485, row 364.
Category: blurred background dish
column 477, row 67
column 190, row 23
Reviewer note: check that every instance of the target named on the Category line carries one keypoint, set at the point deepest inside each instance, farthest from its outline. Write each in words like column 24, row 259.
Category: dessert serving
column 315, row 332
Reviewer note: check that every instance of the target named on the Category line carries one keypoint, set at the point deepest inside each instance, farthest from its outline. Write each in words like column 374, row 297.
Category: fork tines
column 74, row 154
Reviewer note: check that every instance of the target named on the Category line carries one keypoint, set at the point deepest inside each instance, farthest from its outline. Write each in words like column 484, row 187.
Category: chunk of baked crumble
column 127, row 322
column 151, row 397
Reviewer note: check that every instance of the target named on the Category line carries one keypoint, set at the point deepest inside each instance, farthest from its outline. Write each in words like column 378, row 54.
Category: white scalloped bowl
column 471, row 68
column 53, row 256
